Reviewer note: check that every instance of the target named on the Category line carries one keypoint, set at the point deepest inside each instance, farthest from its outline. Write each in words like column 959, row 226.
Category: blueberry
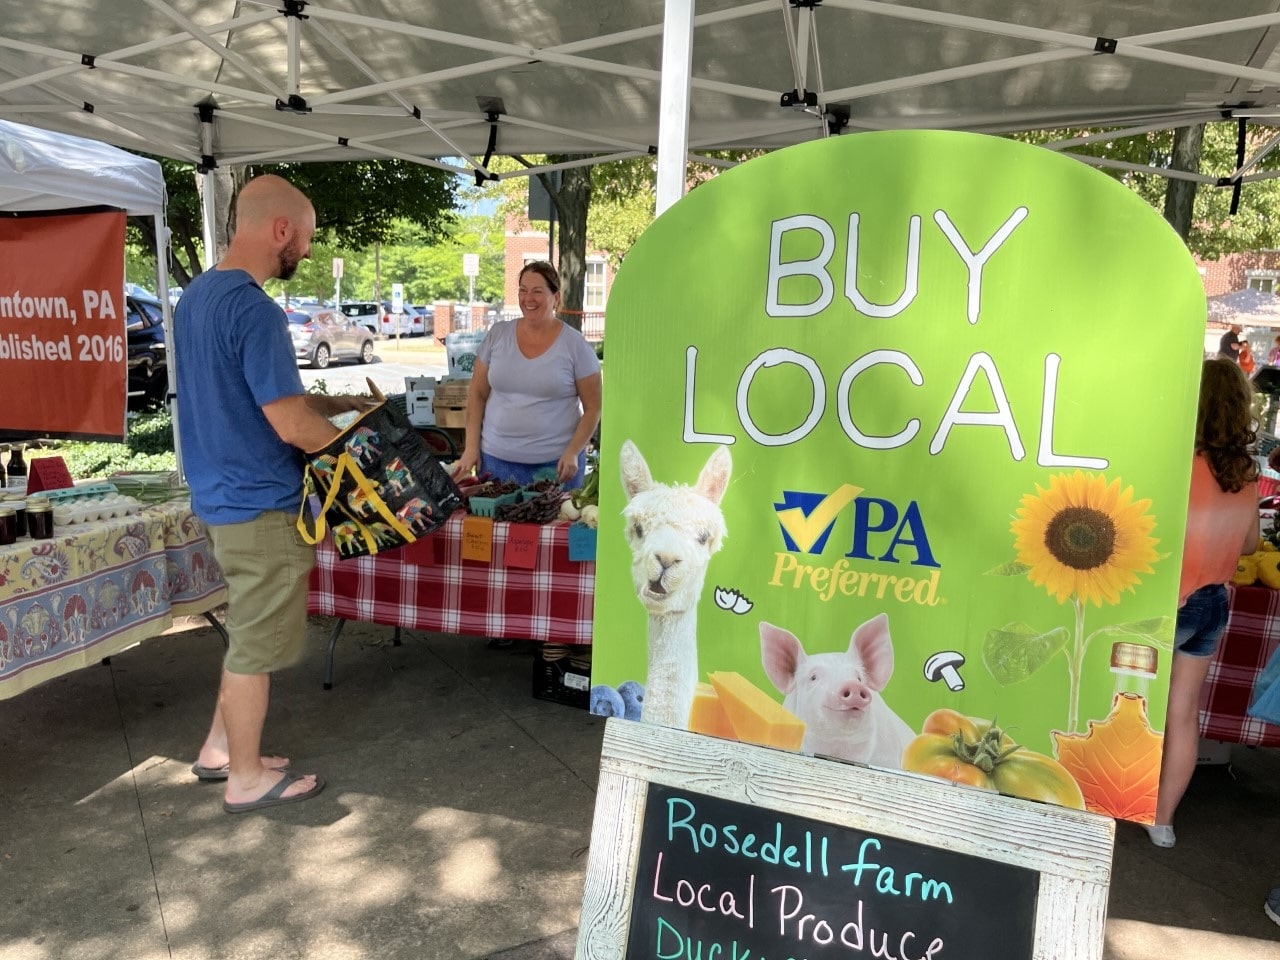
column 606, row 701
column 632, row 692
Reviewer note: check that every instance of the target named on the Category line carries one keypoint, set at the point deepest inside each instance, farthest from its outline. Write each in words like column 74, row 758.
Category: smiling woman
column 534, row 397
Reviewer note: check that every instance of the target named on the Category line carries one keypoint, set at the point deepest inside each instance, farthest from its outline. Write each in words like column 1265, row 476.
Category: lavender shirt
column 533, row 406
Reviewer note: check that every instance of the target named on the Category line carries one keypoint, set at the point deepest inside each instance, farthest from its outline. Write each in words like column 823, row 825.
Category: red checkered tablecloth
column 1253, row 631
column 428, row 586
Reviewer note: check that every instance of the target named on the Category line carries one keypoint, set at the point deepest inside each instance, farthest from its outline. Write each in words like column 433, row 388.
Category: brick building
column 1258, row 269
column 525, row 243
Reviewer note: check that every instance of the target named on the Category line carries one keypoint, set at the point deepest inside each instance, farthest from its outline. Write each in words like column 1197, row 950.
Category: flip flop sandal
column 210, row 774
column 273, row 798
column 215, row 774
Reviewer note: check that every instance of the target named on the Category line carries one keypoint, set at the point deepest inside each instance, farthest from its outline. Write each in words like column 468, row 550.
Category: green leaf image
column 1157, row 630
column 1016, row 651
column 1011, row 569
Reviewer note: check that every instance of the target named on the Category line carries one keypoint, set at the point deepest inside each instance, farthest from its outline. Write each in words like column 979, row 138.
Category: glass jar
column 8, row 526
column 40, row 519
column 19, row 506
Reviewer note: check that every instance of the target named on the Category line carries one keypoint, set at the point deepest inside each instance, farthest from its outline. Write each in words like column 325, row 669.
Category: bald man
column 244, row 421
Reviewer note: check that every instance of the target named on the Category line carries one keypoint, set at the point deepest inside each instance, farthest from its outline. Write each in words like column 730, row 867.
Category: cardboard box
column 449, row 416
column 452, row 393
column 420, row 406
column 562, row 674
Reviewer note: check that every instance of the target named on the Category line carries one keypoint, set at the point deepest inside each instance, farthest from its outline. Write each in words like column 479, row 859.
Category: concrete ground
column 455, row 824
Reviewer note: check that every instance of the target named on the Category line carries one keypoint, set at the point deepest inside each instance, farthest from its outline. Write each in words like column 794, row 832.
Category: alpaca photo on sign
column 838, row 695
column 672, row 529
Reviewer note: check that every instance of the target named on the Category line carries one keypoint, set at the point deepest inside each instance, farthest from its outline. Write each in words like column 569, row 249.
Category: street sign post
column 337, row 281
column 397, row 306
column 470, row 270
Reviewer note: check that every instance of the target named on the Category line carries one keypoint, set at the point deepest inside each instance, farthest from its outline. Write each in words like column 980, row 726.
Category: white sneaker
column 1272, row 905
column 1161, row 834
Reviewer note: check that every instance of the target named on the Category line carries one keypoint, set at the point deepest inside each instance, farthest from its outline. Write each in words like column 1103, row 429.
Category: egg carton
column 95, row 508
column 87, row 491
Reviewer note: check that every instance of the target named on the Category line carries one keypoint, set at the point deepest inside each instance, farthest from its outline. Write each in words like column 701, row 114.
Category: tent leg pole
column 673, row 118
column 170, row 357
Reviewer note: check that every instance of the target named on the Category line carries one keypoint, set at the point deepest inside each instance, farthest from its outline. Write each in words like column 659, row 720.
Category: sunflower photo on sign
column 1085, row 541
column 886, row 488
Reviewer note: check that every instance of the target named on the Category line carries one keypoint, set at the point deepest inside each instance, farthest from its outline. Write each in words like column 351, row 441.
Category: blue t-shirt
column 234, row 355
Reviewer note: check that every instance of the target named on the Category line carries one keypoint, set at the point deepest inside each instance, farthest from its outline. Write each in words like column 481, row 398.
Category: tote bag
column 376, row 486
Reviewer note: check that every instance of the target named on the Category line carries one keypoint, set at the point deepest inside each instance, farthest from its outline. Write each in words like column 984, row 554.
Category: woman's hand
column 567, row 467
column 466, row 463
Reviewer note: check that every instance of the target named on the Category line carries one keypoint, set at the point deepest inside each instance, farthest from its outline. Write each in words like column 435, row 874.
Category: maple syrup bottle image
column 1134, row 667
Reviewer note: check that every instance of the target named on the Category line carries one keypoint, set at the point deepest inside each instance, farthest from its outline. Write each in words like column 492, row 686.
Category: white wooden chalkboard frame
column 1070, row 849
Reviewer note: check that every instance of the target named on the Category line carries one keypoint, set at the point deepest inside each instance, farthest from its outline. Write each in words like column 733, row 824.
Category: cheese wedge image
column 754, row 715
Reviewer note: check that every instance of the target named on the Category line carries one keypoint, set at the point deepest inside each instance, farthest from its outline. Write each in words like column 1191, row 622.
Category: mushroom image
column 944, row 666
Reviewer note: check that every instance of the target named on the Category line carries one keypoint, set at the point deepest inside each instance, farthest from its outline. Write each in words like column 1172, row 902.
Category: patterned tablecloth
column 97, row 588
column 428, row 586
column 1253, row 631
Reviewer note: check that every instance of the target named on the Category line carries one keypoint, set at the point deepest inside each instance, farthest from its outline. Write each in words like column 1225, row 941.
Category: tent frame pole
column 673, row 117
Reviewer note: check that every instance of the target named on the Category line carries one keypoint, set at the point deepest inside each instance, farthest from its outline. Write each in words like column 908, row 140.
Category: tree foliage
column 1215, row 231
column 358, row 203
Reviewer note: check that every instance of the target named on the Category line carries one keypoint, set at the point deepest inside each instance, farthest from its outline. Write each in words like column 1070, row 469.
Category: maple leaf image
column 1117, row 762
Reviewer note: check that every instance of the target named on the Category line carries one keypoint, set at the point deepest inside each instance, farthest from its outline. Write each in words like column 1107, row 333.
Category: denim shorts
column 522, row 473
column 1202, row 621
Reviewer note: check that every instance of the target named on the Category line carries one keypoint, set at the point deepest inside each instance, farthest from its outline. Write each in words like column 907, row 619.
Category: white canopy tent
column 41, row 170
column 1249, row 308
column 237, row 81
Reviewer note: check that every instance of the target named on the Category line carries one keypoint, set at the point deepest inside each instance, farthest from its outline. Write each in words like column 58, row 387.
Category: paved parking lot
column 414, row 357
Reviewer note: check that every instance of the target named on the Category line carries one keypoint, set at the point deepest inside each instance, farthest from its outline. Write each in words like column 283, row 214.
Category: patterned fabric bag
column 375, row 487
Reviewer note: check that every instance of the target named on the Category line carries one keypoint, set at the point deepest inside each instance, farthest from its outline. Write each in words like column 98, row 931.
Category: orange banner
column 62, row 319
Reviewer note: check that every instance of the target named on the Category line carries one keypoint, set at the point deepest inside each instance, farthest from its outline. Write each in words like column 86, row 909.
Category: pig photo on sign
column 837, row 695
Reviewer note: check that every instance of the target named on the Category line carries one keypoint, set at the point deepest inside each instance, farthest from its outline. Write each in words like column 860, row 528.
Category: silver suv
column 327, row 335
column 366, row 313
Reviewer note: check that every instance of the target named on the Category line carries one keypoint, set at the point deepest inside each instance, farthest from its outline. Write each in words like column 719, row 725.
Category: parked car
column 328, row 335
column 366, row 313
column 408, row 323
column 145, row 351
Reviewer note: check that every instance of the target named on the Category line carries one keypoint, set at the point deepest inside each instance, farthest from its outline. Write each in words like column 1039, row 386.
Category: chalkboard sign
column 708, row 849
column 766, row 885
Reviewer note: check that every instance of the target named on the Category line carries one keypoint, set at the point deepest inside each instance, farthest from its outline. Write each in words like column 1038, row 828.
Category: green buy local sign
column 896, row 454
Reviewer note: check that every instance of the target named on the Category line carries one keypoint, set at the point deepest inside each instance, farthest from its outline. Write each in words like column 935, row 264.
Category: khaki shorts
column 266, row 564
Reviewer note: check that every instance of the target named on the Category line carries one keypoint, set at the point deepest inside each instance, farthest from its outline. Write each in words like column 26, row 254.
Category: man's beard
column 289, row 260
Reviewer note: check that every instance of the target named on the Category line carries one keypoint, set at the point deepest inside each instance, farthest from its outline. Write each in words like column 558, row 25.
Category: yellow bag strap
column 321, row 525
column 365, row 484
column 346, row 464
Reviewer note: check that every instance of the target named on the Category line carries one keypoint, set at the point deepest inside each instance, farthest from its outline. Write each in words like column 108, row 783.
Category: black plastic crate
column 562, row 674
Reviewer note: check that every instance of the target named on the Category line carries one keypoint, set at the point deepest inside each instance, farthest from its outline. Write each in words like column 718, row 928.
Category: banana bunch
column 1263, row 565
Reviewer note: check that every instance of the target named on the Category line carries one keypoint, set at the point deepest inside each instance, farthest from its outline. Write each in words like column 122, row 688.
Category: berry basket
column 488, row 506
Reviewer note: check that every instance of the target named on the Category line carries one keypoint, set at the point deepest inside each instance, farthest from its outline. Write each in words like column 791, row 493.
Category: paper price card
column 48, row 473
column 477, row 539
column 582, row 543
column 522, row 545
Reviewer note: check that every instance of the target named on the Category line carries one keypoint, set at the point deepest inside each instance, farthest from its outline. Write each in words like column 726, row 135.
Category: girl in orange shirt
column 1247, row 363
column 1222, row 525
